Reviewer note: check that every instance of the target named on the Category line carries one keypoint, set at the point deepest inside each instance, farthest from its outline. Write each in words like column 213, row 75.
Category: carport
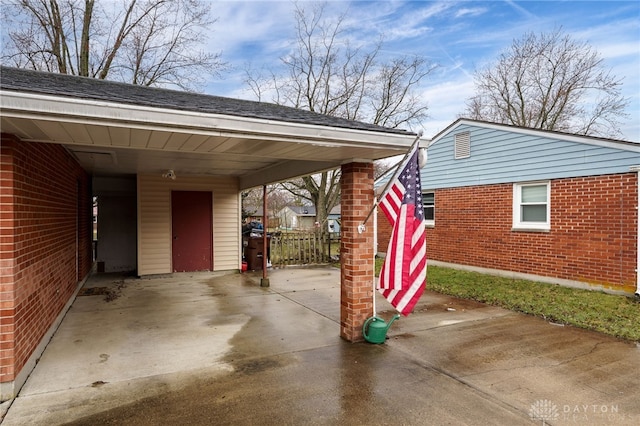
column 142, row 147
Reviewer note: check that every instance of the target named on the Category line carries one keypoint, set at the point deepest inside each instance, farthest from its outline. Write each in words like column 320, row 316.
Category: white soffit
column 101, row 113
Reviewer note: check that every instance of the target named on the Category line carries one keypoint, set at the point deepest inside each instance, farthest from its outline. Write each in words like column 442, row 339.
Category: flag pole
column 375, row 246
column 361, row 227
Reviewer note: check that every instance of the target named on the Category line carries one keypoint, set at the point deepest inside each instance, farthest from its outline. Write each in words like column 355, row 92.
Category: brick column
column 356, row 250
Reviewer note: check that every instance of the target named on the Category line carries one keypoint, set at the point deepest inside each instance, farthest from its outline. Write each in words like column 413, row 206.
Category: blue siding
column 505, row 156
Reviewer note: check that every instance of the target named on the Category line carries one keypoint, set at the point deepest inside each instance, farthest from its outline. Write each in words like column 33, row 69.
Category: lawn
column 617, row 316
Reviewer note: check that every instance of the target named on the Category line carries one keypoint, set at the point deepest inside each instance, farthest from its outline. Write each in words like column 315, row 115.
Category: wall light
column 169, row 174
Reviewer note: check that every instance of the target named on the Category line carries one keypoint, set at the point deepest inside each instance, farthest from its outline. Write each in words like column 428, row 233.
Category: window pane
column 428, row 197
column 428, row 213
column 537, row 213
column 428, row 205
column 534, row 194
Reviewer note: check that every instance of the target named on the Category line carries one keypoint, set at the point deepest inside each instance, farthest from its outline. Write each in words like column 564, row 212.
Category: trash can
column 253, row 252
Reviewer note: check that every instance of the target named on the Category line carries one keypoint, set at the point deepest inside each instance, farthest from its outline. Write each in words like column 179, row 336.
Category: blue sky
column 460, row 36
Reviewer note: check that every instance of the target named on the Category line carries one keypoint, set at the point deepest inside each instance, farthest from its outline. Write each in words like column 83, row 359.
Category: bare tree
column 326, row 73
column 381, row 167
column 277, row 199
column 251, row 202
column 145, row 42
column 551, row 82
column 322, row 190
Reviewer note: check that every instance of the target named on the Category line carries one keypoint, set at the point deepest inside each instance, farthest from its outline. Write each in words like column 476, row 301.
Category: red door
column 191, row 227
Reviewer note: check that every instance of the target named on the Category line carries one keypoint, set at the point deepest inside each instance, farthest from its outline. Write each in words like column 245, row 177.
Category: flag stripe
column 390, row 204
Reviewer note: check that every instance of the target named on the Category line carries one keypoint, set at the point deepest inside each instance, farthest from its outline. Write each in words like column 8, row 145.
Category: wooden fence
column 303, row 248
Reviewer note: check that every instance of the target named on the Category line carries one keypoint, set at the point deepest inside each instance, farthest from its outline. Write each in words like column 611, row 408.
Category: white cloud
column 403, row 20
column 446, row 102
column 473, row 11
column 268, row 24
column 615, row 50
column 520, row 9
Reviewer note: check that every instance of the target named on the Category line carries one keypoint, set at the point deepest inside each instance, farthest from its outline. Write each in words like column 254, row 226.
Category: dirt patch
column 110, row 293
column 94, row 291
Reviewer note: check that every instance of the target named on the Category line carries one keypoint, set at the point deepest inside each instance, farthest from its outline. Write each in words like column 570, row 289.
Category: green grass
column 618, row 316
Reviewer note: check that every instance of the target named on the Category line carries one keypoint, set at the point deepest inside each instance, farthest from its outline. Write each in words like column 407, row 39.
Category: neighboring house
column 167, row 168
column 537, row 204
column 297, row 217
column 304, row 218
column 333, row 219
column 254, row 214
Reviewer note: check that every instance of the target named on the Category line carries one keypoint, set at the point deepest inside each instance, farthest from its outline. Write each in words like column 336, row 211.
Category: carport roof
column 116, row 128
column 104, row 90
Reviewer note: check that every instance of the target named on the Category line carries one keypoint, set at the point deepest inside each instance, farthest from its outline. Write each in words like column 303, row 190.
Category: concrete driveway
column 219, row 349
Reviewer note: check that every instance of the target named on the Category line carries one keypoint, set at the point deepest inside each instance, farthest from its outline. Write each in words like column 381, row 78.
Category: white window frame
column 517, row 205
column 430, row 222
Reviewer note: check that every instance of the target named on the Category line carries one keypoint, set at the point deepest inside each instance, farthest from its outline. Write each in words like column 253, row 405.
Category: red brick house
column 540, row 205
column 167, row 169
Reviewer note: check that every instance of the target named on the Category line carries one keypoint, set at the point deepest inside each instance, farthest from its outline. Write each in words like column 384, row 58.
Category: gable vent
column 462, row 145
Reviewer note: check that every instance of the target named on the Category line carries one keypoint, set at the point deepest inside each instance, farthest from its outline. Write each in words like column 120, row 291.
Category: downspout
column 636, row 169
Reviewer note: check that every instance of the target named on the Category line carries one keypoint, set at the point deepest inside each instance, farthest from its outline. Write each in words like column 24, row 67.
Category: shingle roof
column 37, row 82
column 514, row 128
column 304, row 210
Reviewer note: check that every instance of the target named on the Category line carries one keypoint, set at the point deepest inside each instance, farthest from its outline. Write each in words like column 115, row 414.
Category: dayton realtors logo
column 544, row 410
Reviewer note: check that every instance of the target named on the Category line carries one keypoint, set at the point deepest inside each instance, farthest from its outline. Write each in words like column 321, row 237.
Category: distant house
column 333, row 219
column 529, row 203
column 297, row 217
column 251, row 213
column 304, row 218
column 256, row 215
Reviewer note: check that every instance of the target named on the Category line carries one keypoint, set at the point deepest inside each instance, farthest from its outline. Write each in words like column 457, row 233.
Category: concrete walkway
column 219, row 349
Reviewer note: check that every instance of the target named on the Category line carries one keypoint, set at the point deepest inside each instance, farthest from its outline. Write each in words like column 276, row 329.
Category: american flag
column 403, row 274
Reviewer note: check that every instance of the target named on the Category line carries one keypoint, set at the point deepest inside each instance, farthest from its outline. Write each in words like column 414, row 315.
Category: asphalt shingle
column 44, row 83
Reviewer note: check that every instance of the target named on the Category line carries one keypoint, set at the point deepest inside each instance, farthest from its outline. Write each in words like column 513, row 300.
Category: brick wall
column 384, row 232
column 592, row 238
column 356, row 250
column 45, row 243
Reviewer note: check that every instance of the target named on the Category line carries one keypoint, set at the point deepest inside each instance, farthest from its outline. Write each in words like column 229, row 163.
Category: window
column 531, row 206
column 462, row 145
column 429, row 206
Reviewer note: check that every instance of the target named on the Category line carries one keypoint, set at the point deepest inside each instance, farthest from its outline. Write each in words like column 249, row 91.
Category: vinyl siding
column 502, row 156
column 154, row 221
